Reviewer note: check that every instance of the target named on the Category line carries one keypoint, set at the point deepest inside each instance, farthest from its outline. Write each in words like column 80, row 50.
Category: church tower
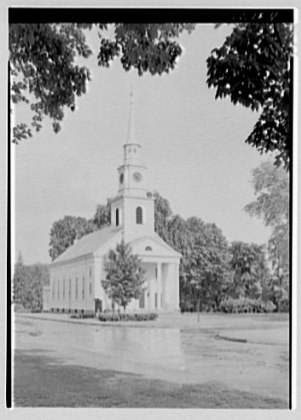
column 133, row 208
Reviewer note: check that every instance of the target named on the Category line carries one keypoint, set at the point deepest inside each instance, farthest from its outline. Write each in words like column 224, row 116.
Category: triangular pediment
column 153, row 246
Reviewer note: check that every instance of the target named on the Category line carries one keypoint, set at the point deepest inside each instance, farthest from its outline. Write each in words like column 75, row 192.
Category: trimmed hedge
column 245, row 305
column 82, row 316
column 151, row 316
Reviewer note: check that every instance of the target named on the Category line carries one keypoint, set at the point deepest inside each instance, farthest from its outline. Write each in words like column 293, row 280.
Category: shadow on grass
column 41, row 381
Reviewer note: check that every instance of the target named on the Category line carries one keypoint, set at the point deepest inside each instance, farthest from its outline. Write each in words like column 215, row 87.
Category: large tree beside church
column 124, row 275
column 254, row 68
column 65, row 231
column 249, row 270
column 207, row 265
column 271, row 187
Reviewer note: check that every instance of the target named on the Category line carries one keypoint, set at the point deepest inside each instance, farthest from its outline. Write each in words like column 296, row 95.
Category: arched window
column 139, row 219
column 148, row 248
column 117, row 217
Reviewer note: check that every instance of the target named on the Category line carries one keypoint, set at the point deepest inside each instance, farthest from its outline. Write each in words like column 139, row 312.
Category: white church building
column 76, row 275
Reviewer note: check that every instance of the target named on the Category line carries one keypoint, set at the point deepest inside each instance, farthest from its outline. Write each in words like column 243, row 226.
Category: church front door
column 98, row 305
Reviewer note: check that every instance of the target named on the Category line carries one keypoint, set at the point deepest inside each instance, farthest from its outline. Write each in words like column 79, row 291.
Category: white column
column 177, row 288
column 159, row 285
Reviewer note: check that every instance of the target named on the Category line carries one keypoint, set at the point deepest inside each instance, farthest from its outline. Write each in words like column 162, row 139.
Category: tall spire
column 131, row 123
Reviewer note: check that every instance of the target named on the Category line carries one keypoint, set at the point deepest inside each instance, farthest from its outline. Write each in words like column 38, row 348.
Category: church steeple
column 132, row 172
column 131, row 125
column 133, row 207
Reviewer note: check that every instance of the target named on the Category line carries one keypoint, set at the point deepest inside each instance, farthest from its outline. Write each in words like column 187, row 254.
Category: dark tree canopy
column 44, row 73
column 248, row 265
column 65, row 231
column 43, row 68
column 253, row 68
column 162, row 216
column 28, row 285
column 102, row 217
column 146, row 47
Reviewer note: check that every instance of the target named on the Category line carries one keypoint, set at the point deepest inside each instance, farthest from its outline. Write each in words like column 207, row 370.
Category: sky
column 193, row 145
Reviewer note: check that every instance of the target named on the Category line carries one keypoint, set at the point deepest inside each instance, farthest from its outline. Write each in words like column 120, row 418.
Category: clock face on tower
column 137, row 177
column 121, row 177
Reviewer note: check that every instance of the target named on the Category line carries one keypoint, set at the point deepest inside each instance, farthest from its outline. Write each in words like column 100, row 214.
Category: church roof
column 88, row 244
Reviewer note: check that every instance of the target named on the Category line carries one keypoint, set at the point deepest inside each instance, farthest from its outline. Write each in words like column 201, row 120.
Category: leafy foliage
column 28, row 285
column 207, row 270
column 162, row 216
column 210, row 270
column 102, row 216
column 248, row 264
column 179, row 239
column 271, row 187
column 146, row 47
column 43, row 71
column 246, row 305
column 65, row 231
column 117, row 316
column 253, row 68
column 18, row 281
column 124, row 275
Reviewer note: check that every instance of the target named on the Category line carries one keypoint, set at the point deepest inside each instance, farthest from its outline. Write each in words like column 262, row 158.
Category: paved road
column 183, row 356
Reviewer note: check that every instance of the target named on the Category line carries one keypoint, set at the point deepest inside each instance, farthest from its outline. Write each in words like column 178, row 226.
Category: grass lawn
column 41, row 381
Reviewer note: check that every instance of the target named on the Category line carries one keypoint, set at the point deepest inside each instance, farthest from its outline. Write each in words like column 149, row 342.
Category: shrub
column 186, row 306
column 246, row 305
column 112, row 317
column 82, row 316
column 284, row 305
column 18, row 307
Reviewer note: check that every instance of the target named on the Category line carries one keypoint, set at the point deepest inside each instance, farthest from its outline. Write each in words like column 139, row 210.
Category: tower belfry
column 133, row 207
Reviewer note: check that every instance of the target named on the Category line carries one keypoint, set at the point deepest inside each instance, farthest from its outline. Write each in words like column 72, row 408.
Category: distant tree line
column 28, row 284
column 214, row 275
